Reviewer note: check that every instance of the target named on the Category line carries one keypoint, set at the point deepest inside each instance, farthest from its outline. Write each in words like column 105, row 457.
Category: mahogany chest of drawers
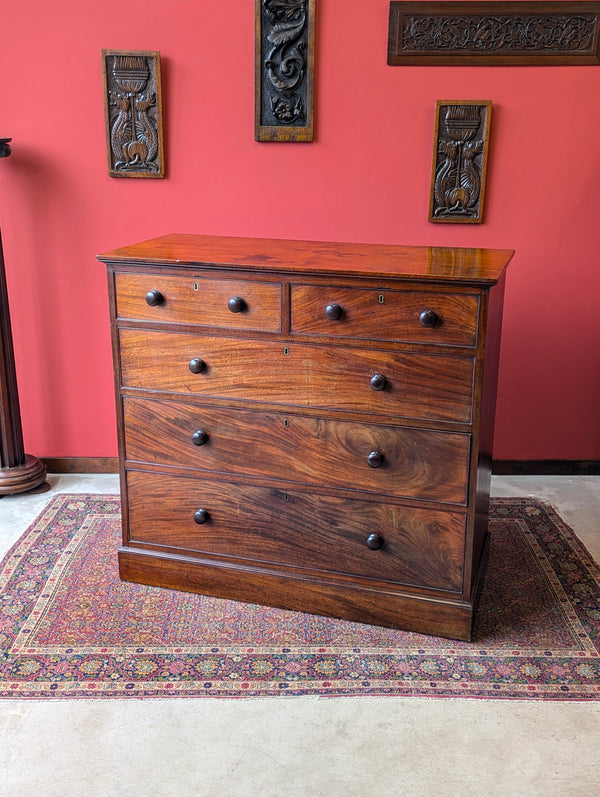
column 308, row 425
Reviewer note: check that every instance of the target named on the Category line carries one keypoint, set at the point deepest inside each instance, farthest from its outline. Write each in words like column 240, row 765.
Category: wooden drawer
column 385, row 314
column 200, row 300
column 414, row 463
column 421, row 386
column 297, row 530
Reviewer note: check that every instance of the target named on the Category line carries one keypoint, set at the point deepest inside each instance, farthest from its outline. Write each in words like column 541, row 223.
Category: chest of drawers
column 308, row 425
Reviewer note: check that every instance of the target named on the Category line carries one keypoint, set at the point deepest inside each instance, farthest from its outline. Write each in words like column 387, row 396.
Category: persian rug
column 69, row 628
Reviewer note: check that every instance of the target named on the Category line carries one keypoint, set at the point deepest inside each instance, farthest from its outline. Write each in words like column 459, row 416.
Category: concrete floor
column 304, row 747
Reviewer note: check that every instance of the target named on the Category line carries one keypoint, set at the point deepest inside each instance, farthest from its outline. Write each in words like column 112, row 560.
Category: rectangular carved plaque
column 489, row 33
column 133, row 113
column 460, row 150
column 285, row 59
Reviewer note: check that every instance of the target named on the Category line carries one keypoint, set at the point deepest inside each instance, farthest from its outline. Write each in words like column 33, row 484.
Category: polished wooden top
column 423, row 263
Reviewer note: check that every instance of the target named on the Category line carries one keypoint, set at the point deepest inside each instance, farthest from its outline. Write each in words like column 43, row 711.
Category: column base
column 31, row 475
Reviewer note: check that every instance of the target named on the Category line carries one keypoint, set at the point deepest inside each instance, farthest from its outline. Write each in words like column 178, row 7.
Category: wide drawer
column 421, row 386
column 299, row 530
column 412, row 316
column 391, row 460
column 199, row 300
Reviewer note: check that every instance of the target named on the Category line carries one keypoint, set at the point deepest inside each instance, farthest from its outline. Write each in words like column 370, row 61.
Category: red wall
column 365, row 178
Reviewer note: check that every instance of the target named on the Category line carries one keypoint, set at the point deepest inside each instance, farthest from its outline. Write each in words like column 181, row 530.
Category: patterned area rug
column 70, row 628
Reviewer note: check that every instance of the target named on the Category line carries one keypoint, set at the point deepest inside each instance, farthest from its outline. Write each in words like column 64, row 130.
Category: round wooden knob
column 375, row 459
column 333, row 312
column 201, row 516
column 374, row 542
column 428, row 318
column 154, row 298
column 378, row 382
column 197, row 365
column 236, row 304
column 200, row 437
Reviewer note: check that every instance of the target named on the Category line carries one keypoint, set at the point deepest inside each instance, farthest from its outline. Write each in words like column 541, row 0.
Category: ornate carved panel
column 285, row 51
column 133, row 113
column 460, row 149
column 509, row 33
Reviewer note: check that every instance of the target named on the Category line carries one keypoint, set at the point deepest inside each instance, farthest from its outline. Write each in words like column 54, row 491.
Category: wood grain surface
column 417, row 463
column 417, row 385
column 315, row 532
column 423, row 263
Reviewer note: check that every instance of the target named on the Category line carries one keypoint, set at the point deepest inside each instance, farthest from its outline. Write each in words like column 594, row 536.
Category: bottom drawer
column 419, row 547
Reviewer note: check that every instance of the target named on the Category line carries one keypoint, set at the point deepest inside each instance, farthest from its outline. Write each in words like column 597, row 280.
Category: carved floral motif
column 494, row 32
column 459, row 167
column 285, row 64
column 133, row 114
column 501, row 33
column 285, row 43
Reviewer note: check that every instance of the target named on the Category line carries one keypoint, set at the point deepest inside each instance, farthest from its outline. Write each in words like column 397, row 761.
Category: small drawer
column 402, row 384
column 411, row 316
column 229, row 521
column 219, row 303
column 403, row 462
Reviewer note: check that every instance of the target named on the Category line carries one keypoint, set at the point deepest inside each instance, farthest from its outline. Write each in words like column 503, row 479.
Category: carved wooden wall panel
column 133, row 113
column 460, row 150
column 509, row 33
column 285, row 52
